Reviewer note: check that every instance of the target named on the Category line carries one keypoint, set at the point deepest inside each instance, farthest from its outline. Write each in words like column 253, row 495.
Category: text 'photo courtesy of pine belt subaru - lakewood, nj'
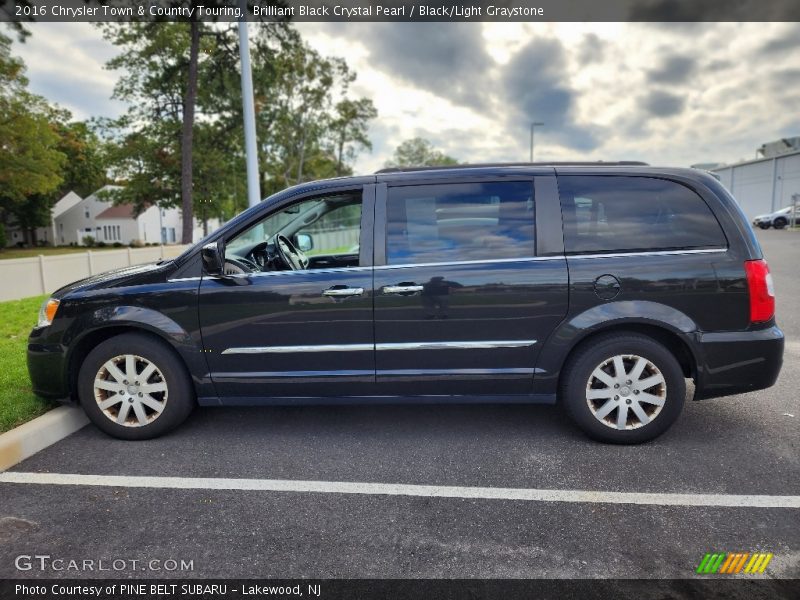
column 599, row 287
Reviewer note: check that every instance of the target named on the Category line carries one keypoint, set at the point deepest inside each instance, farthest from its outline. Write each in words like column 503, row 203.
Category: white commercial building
column 763, row 185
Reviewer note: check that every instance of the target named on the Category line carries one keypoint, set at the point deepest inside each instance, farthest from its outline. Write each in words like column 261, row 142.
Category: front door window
column 312, row 234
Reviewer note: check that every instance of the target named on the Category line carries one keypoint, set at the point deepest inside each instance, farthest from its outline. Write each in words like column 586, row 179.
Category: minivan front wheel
column 134, row 387
column 623, row 388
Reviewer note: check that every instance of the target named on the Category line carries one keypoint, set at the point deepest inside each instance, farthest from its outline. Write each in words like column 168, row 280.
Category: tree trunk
column 339, row 159
column 189, row 100
column 302, row 158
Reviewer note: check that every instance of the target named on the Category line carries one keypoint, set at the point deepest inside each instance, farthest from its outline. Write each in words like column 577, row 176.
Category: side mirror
column 213, row 255
column 304, row 242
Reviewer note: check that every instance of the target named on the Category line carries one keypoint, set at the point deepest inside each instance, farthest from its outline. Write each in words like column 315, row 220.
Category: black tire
column 177, row 401
column 578, row 377
column 763, row 225
column 780, row 223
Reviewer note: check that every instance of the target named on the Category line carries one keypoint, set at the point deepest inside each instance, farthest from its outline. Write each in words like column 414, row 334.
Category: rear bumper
column 738, row 361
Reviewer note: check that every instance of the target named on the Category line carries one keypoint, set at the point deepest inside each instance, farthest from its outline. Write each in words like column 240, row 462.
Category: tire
column 151, row 407
column 779, row 223
column 599, row 417
column 763, row 225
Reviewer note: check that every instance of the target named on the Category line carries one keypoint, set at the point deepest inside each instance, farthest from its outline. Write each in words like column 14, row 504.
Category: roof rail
column 600, row 163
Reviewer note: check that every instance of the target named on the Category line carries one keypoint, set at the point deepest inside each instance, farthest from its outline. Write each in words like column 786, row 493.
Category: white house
column 78, row 221
column 75, row 218
column 153, row 225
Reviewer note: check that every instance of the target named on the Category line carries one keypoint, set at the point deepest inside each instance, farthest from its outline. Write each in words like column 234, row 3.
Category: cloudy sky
column 673, row 94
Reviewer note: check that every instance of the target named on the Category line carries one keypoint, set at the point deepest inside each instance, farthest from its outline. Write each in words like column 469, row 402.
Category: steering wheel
column 291, row 256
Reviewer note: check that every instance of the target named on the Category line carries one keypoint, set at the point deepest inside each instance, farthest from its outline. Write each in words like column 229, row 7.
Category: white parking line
column 399, row 489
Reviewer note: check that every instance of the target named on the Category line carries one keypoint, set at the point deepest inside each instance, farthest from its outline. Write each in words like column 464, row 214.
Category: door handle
column 343, row 292
column 402, row 289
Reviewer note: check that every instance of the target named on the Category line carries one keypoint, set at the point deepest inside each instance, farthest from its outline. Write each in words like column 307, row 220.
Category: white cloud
column 65, row 64
column 667, row 94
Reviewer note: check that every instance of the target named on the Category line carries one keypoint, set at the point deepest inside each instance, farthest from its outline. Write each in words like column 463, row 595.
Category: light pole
column 249, row 111
column 534, row 125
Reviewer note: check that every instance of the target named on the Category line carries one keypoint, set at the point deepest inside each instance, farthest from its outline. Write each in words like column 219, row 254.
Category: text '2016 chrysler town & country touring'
column 599, row 287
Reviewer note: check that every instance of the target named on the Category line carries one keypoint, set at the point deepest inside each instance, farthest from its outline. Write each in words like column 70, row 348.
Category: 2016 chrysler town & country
column 600, row 287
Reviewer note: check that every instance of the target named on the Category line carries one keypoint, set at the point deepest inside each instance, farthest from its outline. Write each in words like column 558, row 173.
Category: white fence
column 330, row 239
column 25, row 277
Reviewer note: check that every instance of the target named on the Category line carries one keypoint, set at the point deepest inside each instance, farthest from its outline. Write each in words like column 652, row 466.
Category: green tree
column 30, row 160
column 419, row 152
column 309, row 126
column 82, row 171
column 164, row 65
column 349, row 129
column 85, row 168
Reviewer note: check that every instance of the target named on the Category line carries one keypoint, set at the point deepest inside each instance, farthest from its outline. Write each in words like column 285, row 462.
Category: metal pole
column 534, row 125
column 249, row 111
column 533, row 128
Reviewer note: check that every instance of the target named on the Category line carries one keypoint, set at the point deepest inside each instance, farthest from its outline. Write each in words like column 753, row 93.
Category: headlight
column 48, row 312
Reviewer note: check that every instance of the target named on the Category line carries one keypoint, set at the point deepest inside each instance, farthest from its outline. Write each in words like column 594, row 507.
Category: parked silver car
column 779, row 219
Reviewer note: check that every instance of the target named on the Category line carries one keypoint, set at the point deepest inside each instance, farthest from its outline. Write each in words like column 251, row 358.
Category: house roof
column 120, row 211
column 65, row 203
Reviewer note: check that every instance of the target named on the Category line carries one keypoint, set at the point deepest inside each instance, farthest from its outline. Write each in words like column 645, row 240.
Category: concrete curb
column 26, row 440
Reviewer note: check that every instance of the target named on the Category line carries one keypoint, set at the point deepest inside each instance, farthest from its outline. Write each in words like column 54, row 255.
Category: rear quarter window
column 628, row 214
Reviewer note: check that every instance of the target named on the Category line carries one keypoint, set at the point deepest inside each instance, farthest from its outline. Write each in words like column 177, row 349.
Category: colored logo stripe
column 733, row 562
column 758, row 563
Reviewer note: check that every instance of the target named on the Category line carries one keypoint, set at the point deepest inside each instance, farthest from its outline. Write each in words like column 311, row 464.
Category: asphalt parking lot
column 742, row 445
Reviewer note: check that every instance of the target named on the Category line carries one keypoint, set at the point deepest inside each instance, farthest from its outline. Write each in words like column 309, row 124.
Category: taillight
column 762, row 293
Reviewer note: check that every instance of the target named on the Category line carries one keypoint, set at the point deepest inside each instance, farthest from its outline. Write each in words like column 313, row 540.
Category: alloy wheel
column 626, row 392
column 130, row 390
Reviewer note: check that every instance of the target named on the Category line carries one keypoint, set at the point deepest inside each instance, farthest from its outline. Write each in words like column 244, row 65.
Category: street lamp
column 248, row 110
column 533, row 127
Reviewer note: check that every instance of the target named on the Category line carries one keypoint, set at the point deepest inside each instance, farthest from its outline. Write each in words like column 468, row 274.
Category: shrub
column 88, row 240
column 101, row 244
column 136, row 244
column 117, row 244
column 3, row 240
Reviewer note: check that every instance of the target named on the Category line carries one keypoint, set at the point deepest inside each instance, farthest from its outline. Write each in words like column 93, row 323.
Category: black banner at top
column 401, row 10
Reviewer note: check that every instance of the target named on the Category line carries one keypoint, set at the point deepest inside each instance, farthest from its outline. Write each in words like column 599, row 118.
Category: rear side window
column 458, row 222
column 613, row 214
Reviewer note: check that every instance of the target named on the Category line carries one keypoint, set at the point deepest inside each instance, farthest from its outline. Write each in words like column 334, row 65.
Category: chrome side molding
column 470, row 345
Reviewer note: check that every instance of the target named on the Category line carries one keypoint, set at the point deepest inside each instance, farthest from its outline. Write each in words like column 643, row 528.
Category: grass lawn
column 17, row 402
column 49, row 251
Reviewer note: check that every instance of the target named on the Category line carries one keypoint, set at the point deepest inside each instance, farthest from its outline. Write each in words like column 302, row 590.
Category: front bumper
column 735, row 362
column 47, row 368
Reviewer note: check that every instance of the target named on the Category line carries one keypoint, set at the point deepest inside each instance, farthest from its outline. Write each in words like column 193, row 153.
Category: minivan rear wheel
column 623, row 388
column 134, row 387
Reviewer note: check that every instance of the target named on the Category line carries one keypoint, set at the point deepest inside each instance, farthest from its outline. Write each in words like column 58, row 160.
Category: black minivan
column 599, row 286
